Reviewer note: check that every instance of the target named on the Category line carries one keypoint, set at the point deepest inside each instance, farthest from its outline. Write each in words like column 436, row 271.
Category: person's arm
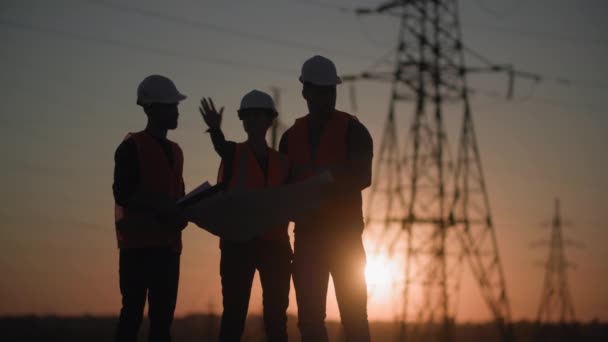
column 356, row 175
column 126, row 173
column 283, row 150
column 223, row 147
column 126, row 181
column 213, row 119
column 283, row 142
column 360, row 154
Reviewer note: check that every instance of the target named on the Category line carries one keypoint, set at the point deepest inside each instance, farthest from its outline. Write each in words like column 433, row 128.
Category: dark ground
column 204, row 328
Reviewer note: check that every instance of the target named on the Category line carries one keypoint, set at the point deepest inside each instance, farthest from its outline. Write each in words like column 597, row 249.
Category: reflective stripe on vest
column 247, row 174
column 156, row 176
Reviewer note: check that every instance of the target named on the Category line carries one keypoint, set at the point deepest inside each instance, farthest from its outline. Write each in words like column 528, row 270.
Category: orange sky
column 69, row 74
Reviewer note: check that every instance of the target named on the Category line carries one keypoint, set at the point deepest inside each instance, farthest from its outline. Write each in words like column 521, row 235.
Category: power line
column 59, row 81
column 490, row 66
column 532, row 34
column 494, row 66
column 574, row 106
column 515, row 8
column 226, row 30
column 326, row 5
column 531, row 98
column 513, row 72
column 142, row 48
column 368, row 36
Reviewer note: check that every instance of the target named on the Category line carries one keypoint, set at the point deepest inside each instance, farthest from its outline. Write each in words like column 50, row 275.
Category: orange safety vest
column 156, row 176
column 247, row 174
column 341, row 209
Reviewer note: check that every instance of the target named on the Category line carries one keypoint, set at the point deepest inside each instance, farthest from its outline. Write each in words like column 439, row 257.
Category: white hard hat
column 320, row 71
column 158, row 89
column 256, row 99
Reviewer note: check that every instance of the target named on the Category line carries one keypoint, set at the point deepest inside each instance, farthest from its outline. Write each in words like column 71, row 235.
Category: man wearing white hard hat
column 329, row 242
column 252, row 165
column 147, row 182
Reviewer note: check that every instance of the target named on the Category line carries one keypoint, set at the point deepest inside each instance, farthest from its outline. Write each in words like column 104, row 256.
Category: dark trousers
column 315, row 259
column 239, row 260
column 151, row 272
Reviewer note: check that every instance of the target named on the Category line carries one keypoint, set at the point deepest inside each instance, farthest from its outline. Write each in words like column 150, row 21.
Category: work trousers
column 151, row 272
column 239, row 260
column 316, row 257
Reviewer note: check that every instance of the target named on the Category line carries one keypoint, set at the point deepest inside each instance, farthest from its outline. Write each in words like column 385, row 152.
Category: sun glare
column 381, row 274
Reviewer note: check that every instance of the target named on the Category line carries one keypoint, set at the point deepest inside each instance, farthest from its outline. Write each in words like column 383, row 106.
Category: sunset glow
column 71, row 71
column 382, row 274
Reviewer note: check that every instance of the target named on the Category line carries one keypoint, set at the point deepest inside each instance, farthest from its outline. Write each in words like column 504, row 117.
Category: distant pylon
column 556, row 300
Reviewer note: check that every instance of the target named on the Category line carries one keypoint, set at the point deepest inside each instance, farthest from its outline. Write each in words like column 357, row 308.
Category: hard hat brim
column 178, row 98
column 322, row 84
column 273, row 112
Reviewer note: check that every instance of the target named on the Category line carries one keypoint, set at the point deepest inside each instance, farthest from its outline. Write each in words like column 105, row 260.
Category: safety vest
column 343, row 209
column 156, row 176
column 247, row 174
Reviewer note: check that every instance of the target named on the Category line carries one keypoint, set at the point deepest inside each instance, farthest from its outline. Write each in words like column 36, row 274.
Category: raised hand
column 212, row 117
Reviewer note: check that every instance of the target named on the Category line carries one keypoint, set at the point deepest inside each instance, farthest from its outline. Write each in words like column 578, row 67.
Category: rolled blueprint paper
column 244, row 214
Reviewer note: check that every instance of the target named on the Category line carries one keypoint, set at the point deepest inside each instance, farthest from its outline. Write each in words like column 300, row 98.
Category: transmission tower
column 433, row 208
column 555, row 300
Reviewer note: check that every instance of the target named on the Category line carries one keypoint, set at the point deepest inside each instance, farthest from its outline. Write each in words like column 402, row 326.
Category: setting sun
column 382, row 274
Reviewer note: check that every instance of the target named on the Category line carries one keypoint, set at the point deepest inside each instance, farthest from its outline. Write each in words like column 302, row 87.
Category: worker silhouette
column 252, row 165
column 328, row 241
column 147, row 182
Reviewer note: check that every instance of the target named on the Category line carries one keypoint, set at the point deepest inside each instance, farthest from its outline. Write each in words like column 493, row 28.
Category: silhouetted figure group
column 328, row 241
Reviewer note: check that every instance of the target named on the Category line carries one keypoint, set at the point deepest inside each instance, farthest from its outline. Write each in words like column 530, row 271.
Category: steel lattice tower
column 430, row 206
column 556, row 301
